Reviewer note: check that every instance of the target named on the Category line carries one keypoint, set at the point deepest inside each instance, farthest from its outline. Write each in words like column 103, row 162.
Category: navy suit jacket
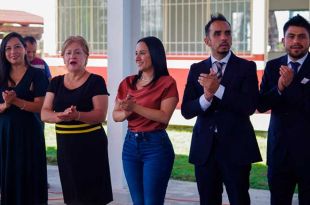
column 289, row 128
column 230, row 115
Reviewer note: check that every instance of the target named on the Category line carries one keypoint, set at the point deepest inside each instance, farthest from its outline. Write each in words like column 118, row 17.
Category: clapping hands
column 8, row 97
column 69, row 114
column 210, row 84
column 127, row 104
column 286, row 77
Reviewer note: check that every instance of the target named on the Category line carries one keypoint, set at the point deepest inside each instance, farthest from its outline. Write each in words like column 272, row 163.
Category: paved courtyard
column 178, row 193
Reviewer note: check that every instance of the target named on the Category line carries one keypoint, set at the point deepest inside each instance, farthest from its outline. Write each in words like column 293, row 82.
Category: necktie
column 219, row 66
column 295, row 66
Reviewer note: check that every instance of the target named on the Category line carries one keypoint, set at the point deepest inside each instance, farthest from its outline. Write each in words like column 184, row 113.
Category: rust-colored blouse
column 149, row 96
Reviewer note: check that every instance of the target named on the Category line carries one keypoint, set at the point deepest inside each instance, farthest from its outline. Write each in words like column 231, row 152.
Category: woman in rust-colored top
column 147, row 101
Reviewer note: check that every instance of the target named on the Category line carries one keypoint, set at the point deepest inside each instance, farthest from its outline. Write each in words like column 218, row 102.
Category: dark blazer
column 230, row 115
column 289, row 128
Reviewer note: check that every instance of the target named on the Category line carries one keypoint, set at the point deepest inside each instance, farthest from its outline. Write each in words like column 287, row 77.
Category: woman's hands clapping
column 69, row 114
column 127, row 105
column 8, row 97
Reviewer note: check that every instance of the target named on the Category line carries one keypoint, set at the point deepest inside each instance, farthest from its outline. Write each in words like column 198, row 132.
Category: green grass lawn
column 182, row 170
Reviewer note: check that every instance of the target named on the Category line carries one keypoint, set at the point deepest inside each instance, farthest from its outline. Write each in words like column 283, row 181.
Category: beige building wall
column 288, row 4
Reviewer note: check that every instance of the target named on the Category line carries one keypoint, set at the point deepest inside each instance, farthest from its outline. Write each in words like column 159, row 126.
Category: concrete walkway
column 178, row 193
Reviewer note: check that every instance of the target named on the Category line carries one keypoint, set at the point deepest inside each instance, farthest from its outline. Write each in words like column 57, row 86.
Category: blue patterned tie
column 295, row 66
column 219, row 66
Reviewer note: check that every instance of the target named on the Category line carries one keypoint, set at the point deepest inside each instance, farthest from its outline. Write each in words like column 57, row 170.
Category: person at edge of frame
column 285, row 90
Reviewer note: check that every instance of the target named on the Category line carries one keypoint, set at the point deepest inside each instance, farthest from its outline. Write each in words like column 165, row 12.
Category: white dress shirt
column 204, row 103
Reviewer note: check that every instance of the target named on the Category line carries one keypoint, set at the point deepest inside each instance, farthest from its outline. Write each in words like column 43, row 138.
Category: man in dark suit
column 285, row 90
column 222, row 92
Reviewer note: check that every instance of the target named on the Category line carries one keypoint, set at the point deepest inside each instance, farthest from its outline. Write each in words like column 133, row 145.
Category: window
column 87, row 18
column 180, row 23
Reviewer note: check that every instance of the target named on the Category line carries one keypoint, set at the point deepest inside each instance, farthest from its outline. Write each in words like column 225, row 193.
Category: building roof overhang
column 22, row 22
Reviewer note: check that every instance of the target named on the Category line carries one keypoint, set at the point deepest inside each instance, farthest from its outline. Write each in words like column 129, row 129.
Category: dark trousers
column 283, row 178
column 147, row 160
column 217, row 171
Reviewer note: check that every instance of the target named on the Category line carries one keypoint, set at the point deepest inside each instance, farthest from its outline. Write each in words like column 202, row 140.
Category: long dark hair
column 5, row 65
column 158, row 58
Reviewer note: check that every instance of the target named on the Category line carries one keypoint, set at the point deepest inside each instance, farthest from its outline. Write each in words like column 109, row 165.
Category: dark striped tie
column 219, row 66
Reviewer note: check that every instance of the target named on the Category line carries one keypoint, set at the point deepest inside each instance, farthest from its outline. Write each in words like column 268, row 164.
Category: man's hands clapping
column 210, row 84
column 286, row 77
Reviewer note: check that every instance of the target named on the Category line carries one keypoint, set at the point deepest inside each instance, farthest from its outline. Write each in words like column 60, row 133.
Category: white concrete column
column 123, row 33
column 50, row 25
column 260, row 14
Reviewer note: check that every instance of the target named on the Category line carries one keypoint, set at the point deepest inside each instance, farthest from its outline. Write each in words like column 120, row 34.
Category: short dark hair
column 214, row 17
column 158, row 58
column 298, row 21
column 30, row 39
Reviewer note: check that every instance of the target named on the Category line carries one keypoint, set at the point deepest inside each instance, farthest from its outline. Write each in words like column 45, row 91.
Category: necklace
column 145, row 80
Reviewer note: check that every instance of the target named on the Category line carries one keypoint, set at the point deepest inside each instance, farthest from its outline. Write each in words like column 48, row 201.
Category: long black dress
column 22, row 147
column 82, row 151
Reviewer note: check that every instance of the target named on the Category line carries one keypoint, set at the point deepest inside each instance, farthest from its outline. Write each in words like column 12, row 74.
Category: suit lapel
column 276, row 70
column 230, row 70
column 283, row 61
column 207, row 66
column 305, row 68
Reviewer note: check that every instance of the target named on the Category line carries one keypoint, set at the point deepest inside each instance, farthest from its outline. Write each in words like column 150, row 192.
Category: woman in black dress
column 22, row 147
column 77, row 102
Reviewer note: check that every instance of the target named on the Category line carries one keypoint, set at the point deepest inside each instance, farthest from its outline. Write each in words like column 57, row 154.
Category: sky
column 33, row 6
column 44, row 8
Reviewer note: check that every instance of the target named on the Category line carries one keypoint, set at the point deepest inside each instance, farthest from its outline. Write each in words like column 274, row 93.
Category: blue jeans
column 147, row 160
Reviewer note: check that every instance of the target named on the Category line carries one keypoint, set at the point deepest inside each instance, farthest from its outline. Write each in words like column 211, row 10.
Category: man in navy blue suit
column 222, row 92
column 285, row 90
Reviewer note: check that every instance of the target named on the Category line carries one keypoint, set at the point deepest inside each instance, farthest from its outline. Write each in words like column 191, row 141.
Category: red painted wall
column 180, row 75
